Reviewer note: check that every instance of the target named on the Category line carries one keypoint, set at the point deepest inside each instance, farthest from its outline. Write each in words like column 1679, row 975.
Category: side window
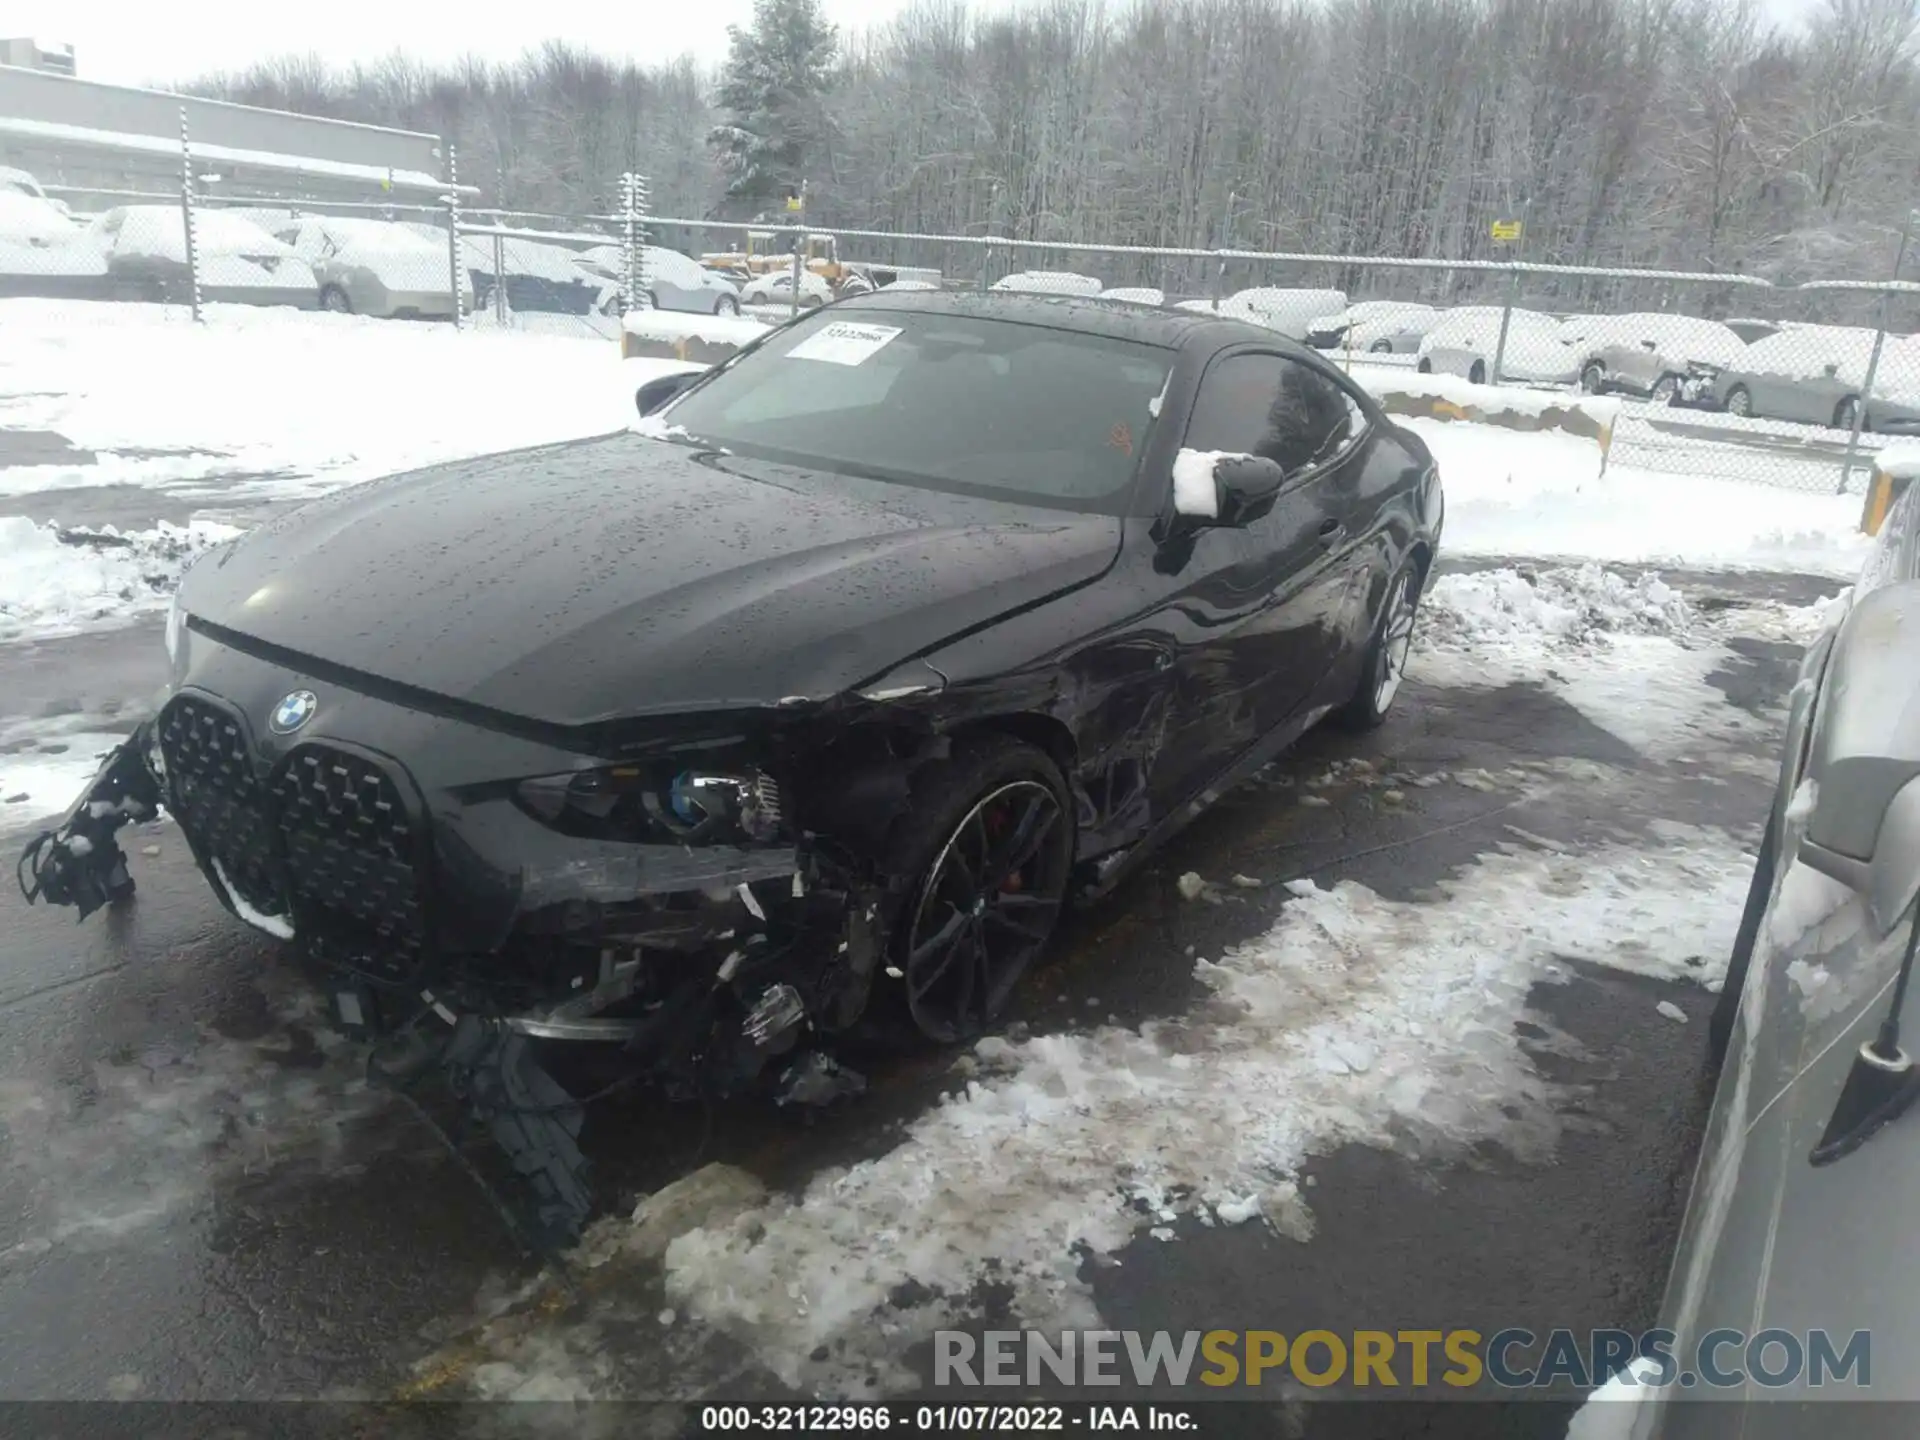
column 1275, row 407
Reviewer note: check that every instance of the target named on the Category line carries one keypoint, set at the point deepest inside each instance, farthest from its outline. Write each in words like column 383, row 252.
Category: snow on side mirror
column 1864, row 765
column 1217, row 487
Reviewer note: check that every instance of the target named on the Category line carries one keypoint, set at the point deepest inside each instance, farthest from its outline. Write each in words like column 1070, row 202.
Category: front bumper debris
column 79, row 862
column 702, row 970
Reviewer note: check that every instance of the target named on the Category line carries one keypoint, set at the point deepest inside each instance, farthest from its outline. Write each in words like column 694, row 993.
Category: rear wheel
column 1425, row 367
column 1727, row 1008
column 726, row 305
column 1593, row 378
column 1846, row 413
column 1478, row 374
column 1385, row 665
column 991, row 841
column 333, row 298
column 1665, row 390
column 1381, row 347
column 1739, row 402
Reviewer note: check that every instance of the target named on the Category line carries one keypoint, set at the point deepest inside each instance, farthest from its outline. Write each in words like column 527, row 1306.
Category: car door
column 1259, row 612
column 673, row 286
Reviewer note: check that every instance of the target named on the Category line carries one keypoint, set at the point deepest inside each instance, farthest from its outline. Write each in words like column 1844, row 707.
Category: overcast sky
column 134, row 42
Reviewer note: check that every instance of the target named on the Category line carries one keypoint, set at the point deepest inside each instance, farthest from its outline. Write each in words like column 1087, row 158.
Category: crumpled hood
column 628, row 576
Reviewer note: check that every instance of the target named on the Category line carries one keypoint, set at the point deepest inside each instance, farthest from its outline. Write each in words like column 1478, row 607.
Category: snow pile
column 1356, row 1019
column 1900, row 459
column 1542, row 495
column 1569, row 605
column 58, row 581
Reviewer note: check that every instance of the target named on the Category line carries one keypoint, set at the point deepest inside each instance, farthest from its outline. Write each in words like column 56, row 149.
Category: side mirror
column 1212, row 489
column 1864, row 761
column 655, row 394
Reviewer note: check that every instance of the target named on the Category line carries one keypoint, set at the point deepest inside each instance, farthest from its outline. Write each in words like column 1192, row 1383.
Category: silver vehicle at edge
column 1804, row 1189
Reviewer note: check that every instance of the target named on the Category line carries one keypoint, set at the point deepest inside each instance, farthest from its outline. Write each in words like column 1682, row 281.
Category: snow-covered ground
column 304, row 402
column 1543, row 494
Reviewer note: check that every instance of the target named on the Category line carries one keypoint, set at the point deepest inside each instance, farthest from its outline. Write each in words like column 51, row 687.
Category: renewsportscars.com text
column 1513, row 1359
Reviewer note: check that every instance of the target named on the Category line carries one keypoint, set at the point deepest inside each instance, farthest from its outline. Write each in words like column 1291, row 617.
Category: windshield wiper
column 1883, row 1083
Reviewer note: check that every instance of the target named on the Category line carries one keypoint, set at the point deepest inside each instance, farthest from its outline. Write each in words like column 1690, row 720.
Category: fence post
column 499, row 279
column 1873, row 363
column 186, row 219
column 799, row 254
column 453, row 237
column 629, row 258
column 1226, row 239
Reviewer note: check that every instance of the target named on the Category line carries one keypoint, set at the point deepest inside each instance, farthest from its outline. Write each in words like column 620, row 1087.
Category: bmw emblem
column 293, row 711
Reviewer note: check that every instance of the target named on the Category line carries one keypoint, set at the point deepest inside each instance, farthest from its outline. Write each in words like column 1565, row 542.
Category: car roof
column 1164, row 326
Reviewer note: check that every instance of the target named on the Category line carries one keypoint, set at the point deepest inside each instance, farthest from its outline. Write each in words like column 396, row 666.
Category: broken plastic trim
column 79, row 862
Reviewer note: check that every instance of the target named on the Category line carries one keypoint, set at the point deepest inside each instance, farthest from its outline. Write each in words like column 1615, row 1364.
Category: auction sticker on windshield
column 843, row 343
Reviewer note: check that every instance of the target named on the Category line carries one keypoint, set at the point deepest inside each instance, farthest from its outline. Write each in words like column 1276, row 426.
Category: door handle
column 1332, row 532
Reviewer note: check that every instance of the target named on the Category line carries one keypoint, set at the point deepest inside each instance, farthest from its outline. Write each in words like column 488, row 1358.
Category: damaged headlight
column 666, row 801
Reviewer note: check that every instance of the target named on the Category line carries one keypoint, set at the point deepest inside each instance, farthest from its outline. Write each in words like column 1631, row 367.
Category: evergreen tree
column 773, row 93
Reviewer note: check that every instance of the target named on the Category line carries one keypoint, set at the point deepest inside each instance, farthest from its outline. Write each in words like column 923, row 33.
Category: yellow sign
column 794, row 202
column 1506, row 229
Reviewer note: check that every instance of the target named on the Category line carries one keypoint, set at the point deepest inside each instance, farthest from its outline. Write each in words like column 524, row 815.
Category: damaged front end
column 701, row 918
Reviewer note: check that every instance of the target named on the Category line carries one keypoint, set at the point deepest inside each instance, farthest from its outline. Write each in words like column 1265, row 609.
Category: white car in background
column 1378, row 327
column 145, row 249
column 1049, row 282
column 42, row 250
column 776, row 288
column 375, row 267
column 671, row 281
column 1464, row 342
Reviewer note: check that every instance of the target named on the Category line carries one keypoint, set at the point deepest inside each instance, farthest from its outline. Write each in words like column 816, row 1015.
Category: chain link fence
column 1721, row 375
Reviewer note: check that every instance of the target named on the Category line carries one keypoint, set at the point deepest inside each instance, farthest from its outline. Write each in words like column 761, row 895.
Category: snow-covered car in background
column 1464, row 341
column 1750, row 329
column 1809, row 374
column 375, row 267
column 539, row 276
column 44, row 252
column 1136, row 295
column 672, row 281
column 237, row 262
column 1292, row 312
column 894, row 287
column 1379, row 327
column 777, row 289
column 1049, row 282
column 1668, row 359
column 21, row 182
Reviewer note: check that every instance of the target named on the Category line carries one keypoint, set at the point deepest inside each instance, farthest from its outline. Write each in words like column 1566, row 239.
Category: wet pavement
column 201, row 1197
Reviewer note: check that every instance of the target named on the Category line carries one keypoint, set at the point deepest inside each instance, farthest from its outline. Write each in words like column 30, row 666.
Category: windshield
column 992, row 407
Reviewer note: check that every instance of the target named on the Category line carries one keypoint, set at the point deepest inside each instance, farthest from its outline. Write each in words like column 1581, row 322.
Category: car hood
column 628, row 576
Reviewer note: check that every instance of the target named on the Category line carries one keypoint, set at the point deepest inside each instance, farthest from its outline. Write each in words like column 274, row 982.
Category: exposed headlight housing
column 666, row 801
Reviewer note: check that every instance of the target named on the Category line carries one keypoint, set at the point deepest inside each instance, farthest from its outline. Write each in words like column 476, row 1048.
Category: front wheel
column 726, row 305
column 335, row 299
column 1593, row 379
column 1739, row 402
column 1425, row 367
column 1385, row 665
column 1666, row 390
column 1381, row 347
column 1846, row 414
column 1478, row 374
column 991, row 839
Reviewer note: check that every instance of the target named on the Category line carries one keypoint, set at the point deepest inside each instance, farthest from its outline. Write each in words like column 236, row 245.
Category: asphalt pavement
column 201, row 1197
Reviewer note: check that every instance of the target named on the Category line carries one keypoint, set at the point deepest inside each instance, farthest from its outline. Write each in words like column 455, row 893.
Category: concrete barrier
column 1893, row 471
column 1445, row 397
column 698, row 339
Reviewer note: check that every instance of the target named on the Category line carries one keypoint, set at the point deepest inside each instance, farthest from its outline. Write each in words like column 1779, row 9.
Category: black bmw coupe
column 801, row 710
